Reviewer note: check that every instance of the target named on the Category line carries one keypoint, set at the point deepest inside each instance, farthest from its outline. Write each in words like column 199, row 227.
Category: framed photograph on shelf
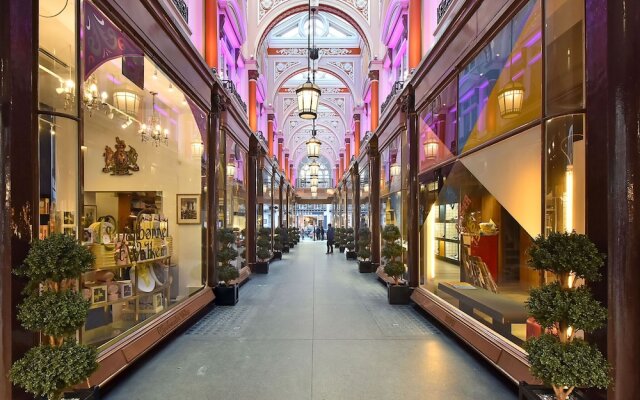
column 188, row 207
column 89, row 215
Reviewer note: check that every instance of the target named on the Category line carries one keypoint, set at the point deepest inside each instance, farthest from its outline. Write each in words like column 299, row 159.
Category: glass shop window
column 480, row 216
column 501, row 88
column 266, row 197
column 236, row 205
column 564, row 56
column 57, row 134
column 365, row 197
column 143, row 191
column 438, row 129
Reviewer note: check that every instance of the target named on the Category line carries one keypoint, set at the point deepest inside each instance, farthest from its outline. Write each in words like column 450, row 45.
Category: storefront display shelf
column 151, row 260
column 130, row 298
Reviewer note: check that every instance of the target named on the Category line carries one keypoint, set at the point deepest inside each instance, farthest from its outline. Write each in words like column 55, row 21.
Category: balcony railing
column 231, row 88
column 397, row 88
column 182, row 8
column 442, row 9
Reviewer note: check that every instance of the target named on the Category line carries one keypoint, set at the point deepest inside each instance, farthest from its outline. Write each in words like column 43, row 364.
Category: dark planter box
column 277, row 255
column 352, row 255
column 226, row 295
column 261, row 267
column 292, row 245
column 285, row 249
column 81, row 394
column 365, row 267
column 398, row 294
column 535, row 392
column 342, row 249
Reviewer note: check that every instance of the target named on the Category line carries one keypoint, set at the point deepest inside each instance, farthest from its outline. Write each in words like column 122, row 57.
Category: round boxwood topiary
column 264, row 244
column 558, row 357
column 349, row 239
column 226, row 253
column 364, row 243
column 55, row 308
column 392, row 251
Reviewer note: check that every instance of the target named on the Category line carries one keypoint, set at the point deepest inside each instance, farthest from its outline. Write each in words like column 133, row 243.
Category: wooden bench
column 503, row 311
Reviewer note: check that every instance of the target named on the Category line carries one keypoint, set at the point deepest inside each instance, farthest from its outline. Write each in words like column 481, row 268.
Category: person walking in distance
column 321, row 232
column 330, row 237
column 318, row 237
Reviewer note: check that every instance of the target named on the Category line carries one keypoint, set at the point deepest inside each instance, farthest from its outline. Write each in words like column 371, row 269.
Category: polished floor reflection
column 313, row 328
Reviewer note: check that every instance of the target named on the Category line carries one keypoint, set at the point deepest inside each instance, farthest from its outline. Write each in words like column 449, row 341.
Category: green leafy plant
column 277, row 240
column 392, row 251
column 284, row 237
column 349, row 239
column 54, row 308
column 339, row 237
column 364, row 243
column 226, row 253
column 558, row 357
column 264, row 244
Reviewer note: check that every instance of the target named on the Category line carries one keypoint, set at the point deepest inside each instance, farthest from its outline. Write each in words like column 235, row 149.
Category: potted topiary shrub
column 350, row 244
column 364, row 250
column 341, row 239
column 398, row 292
column 263, row 252
column 54, row 307
column 226, row 291
column 277, row 245
column 284, row 239
column 559, row 357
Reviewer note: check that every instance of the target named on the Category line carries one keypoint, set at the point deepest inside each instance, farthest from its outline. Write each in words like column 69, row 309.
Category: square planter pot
column 277, row 255
column 540, row 392
column 82, row 394
column 342, row 249
column 365, row 267
column 285, row 249
column 352, row 255
column 261, row 267
column 226, row 295
column 292, row 245
column 398, row 294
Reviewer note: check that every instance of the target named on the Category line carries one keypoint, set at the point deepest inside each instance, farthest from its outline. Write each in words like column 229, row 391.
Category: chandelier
column 309, row 93
column 313, row 144
column 93, row 99
column 67, row 89
column 153, row 130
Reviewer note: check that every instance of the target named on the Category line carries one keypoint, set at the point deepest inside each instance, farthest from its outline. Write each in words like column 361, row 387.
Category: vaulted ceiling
column 338, row 72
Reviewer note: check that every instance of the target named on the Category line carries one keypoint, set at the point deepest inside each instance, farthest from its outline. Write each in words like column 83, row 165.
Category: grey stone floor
column 313, row 328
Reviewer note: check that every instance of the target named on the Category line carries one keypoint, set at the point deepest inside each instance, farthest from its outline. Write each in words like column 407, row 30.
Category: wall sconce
column 231, row 168
column 127, row 102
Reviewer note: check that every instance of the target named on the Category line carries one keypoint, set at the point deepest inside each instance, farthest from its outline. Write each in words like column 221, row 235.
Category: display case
column 446, row 233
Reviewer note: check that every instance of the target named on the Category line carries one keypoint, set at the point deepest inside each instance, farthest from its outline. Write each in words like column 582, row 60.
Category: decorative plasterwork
column 267, row 5
column 361, row 6
column 288, row 102
column 302, row 52
column 336, row 101
column 281, row 67
column 346, row 67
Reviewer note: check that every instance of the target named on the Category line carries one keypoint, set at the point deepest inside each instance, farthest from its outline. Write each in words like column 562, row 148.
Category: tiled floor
column 313, row 328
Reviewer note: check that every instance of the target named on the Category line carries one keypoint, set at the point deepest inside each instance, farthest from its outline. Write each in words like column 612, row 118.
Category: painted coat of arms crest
column 120, row 162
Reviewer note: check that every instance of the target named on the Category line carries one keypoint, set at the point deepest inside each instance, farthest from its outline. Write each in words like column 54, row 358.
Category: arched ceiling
column 338, row 72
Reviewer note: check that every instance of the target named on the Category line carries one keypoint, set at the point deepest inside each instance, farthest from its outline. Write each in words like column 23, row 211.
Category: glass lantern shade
column 127, row 102
column 197, row 148
column 395, row 169
column 314, row 168
column 431, row 149
column 308, row 97
column 314, row 181
column 366, row 188
column 231, row 169
column 314, row 195
column 314, row 189
column 313, row 148
column 510, row 100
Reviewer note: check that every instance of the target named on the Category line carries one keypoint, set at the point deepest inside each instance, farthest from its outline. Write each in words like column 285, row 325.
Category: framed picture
column 188, row 206
column 89, row 215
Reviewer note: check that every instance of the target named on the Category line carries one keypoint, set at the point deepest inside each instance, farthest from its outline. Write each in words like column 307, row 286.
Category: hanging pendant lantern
column 313, row 144
column 510, row 100
column 314, row 181
column 308, row 97
column 431, row 148
column 314, row 189
column 231, row 168
column 314, row 168
column 395, row 169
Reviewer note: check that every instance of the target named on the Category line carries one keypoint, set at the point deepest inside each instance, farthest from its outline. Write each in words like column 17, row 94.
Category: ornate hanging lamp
column 313, row 144
column 309, row 93
column 314, row 168
column 511, row 97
